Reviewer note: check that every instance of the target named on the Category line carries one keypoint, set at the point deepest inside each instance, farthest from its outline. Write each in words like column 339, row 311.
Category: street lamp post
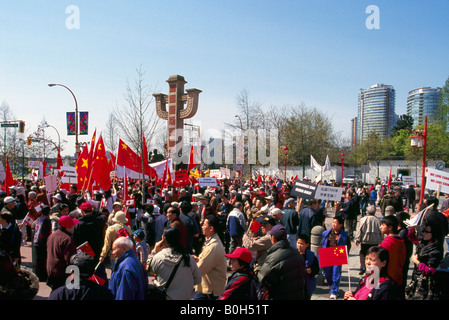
column 77, row 145
column 342, row 168
column 285, row 163
column 419, row 140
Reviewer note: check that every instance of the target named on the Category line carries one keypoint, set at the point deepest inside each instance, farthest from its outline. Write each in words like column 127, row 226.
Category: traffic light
column 29, row 141
column 21, row 126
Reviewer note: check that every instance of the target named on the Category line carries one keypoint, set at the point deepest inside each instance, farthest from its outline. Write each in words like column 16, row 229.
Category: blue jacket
column 307, row 220
column 128, row 280
column 342, row 239
column 311, row 280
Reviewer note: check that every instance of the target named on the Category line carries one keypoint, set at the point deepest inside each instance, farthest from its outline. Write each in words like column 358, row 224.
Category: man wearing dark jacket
column 90, row 228
column 308, row 218
column 350, row 211
column 283, row 271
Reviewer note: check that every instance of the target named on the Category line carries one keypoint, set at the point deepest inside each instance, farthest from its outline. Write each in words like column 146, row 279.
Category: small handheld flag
column 332, row 256
column 85, row 247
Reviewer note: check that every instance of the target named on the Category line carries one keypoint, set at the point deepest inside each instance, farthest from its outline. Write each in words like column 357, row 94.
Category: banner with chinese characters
column 84, row 123
column 71, row 124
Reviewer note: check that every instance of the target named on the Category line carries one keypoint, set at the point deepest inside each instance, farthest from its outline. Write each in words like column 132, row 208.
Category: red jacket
column 397, row 251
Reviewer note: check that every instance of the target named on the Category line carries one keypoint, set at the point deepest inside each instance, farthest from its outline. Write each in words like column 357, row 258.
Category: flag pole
column 349, row 269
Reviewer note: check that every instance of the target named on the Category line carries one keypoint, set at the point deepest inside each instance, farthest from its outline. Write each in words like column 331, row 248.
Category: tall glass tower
column 423, row 102
column 376, row 111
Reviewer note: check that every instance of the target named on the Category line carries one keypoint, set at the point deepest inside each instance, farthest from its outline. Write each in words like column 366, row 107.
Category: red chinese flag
column 100, row 167
column 112, row 162
column 9, row 180
column 85, row 247
column 59, row 162
column 82, row 165
column 97, row 280
column 254, row 227
column 192, row 163
column 332, row 256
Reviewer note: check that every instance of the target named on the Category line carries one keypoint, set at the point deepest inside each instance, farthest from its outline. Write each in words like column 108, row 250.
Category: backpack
column 123, row 232
column 258, row 290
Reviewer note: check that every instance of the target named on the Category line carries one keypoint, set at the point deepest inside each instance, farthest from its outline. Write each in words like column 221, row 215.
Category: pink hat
column 67, row 222
column 242, row 254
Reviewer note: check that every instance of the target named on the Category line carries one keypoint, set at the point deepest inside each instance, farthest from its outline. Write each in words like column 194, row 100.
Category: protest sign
column 51, row 183
column 408, row 180
column 329, row 193
column 207, row 182
column 303, row 189
column 437, row 180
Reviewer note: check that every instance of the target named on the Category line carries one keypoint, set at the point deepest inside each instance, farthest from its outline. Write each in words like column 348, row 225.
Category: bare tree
column 137, row 114
column 110, row 137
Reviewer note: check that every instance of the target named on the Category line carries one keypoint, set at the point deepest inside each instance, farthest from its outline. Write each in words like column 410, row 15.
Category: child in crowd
column 312, row 266
column 336, row 236
column 142, row 248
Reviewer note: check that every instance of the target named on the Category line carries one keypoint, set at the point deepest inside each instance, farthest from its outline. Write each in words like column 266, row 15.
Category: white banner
column 207, row 182
column 35, row 164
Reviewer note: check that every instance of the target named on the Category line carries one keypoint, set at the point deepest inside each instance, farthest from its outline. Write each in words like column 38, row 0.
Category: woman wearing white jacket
column 166, row 254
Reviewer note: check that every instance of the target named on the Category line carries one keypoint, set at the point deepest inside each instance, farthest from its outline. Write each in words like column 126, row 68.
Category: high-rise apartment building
column 376, row 111
column 423, row 102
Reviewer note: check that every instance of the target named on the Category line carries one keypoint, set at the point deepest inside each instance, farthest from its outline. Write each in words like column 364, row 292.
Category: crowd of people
column 234, row 241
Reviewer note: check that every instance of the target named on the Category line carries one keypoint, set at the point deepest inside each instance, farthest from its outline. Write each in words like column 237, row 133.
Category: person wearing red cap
column 239, row 285
column 60, row 247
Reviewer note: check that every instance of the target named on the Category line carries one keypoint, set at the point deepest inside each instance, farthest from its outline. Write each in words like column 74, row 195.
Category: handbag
column 155, row 292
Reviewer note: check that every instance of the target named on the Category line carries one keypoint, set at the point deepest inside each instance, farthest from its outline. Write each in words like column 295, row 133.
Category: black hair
column 340, row 219
column 384, row 255
column 175, row 210
column 149, row 208
column 391, row 221
column 45, row 210
column 172, row 236
column 213, row 222
column 402, row 216
column 304, row 237
column 186, row 206
column 432, row 200
column 7, row 217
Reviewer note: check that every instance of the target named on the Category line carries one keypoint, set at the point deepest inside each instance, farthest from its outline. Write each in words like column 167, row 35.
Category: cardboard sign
column 304, row 189
column 51, row 183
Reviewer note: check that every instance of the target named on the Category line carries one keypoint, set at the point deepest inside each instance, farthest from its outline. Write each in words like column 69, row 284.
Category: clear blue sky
column 281, row 52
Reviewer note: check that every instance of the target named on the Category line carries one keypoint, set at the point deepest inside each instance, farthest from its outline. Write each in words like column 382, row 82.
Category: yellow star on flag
column 85, row 163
